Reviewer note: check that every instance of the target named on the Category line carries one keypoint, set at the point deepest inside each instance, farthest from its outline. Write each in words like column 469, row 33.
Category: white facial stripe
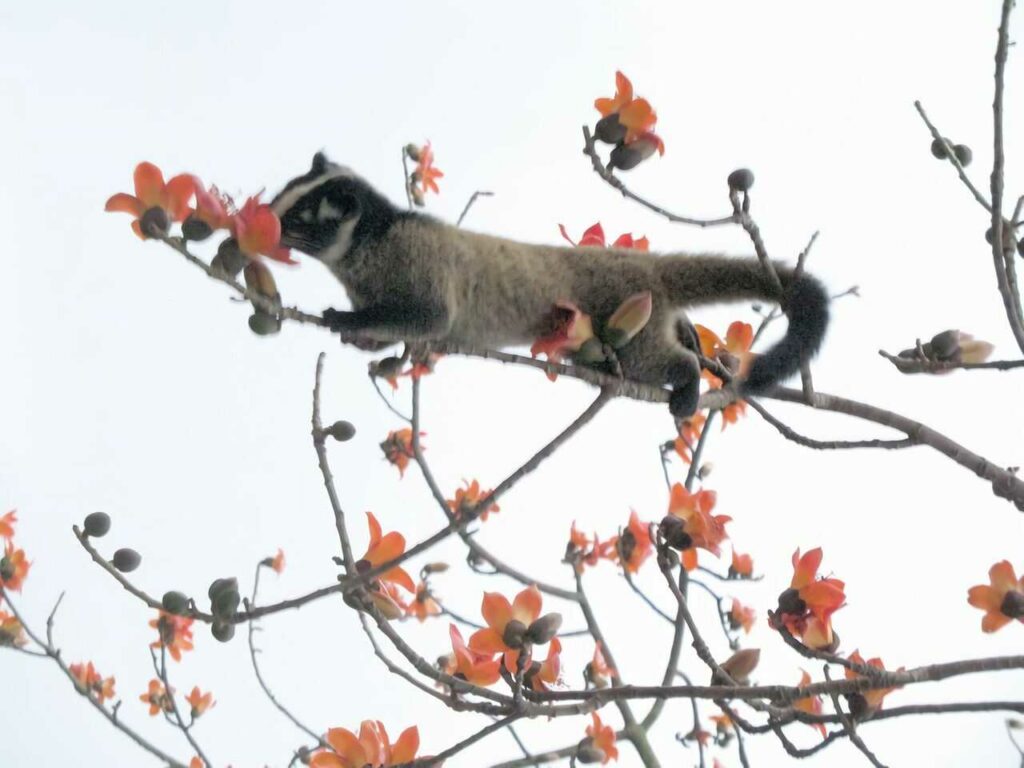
column 327, row 212
column 336, row 251
column 293, row 195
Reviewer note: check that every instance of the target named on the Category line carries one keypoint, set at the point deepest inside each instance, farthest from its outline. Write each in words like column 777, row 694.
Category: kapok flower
column 689, row 434
column 466, row 499
column 723, row 724
column 635, row 118
column 92, row 683
column 1002, row 599
column 742, row 566
column 741, row 616
column 199, row 701
column 603, row 738
column 158, row 698
column 397, row 448
column 542, row 676
column 699, row 528
column 14, row 567
column 733, row 353
column 424, row 604
column 175, row 633
column 583, row 550
column 628, row 320
column 810, row 705
column 12, row 633
column 511, row 626
column 472, row 666
column 277, row 562
column 213, row 207
column 623, row 96
column 196, row 762
column 7, row 522
column 382, row 549
column 594, row 236
column 598, row 671
column 416, row 371
column 151, row 192
column 370, row 749
column 570, row 330
column 257, row 230
column 806, row 608
column 426, row 174
column 631, row 547
column 867, row 702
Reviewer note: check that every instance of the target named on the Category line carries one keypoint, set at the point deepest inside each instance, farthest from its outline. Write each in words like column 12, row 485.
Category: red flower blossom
column 867, row 702
column 594, row 236
column 633, row 546
column 570, row 330
column 277, row 562
column 810, row 705
column 603, row 737
column 542, row 676
column 498, row 612
column 397, row 448
column 175, row 633
column 598, row 671
column 257, row 230
column 424, row 604
column 426, row 174
column 1002, row 600
column 583, row 551
column 704, row 530
column 158, row 698
column 12, row 633
column 474, row 667
column 14, row 567
column 151, row 192
column 689, row 434
column 199, row 701
column 806, row 608
column 467, row 498
column 383, row 549
column 635, row 115
column 7, row 522
column 742, row 566
column 213, row 207
column 741, row 616
column 92, row 683
column 372, row 748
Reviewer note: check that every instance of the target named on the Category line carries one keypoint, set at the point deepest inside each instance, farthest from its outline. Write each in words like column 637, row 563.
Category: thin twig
column 469, row 204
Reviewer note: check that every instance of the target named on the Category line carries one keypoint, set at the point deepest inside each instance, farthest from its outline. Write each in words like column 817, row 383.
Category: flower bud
column 588, row 753
column 939, row 151
column 741, row 180
column 341, row 431
column 590, row 352
column 430, row 568
column 221, row 585
column 264, row 323
column 514, row 634
column 673, row 530
column 175, row 602
column 609, row 129
column 544, row 628
column 386, row 368
column 963, row 154
column 229, row 258
column 225, row 603
column 223, row 630
column 791, row 602
column 126, row 560
column 412, row 152
column 945, row 345
column 194, row 228
column 96, row 524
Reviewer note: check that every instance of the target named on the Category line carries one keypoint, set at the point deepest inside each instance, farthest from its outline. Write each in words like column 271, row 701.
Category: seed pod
column 155, row 222
column 544, row 628
column 963, row 154
column 194, row 228
column 223, row 630
column 514, row 634
column 945, row 345
column 341, row 431
column 175, row 602
column 609, row 129
column 126, row 560
column 96, row 524
column 430, row 568
column 741, row 180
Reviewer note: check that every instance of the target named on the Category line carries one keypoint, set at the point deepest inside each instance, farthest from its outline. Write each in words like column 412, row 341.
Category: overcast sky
column 131, row 383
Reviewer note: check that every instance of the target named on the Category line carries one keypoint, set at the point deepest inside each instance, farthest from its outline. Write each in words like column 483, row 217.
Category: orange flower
column 416, row 371
column 200, row 702
column 594, row 236
column 397, row 448
column 213, row 207
column 472, row 666
column 570, row 330
column 867, row 702
column 7, row 522
column 734, row 353
column 632, row 547
column 603, row 737
column 90, row 682
column 382, row 549
column 623, row 96
column 389, row 599
column 13, row 568
column 806, row 608
column 258, row 231
column 581, row 550
column 598, row 671
column 467, row 498
column 723, row 723
column 175, row 633
column 370, row 749
column 1003, row 601
column 12, row 633
column 196, row 762
column 158, row 698
column 689, row 434
column 507, row 624
column 742, row 566
column 701, row 528
column 732, row 412
column 424, row 604
column 810, row 705
column 741, row 616
column 425, row 173
column 277, row 562
column 151, row 192
column 541, row 676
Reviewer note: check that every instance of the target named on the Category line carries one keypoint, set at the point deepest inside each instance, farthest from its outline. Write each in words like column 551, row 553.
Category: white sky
column 131, row 383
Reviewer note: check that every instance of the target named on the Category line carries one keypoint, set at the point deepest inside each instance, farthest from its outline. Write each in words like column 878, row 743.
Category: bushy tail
column 692, row 280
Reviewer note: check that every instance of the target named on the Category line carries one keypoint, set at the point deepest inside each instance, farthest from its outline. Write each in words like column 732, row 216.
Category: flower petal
column 407, row 745
column 486, row 641
column 1002, row 576
column 985, row 597
column 496, row 610
column 122, row 202
column 177, row 194
column 149, row 184
column 527, row 605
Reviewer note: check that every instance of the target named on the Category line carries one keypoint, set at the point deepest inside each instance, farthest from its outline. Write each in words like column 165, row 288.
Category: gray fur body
column 410, row 277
